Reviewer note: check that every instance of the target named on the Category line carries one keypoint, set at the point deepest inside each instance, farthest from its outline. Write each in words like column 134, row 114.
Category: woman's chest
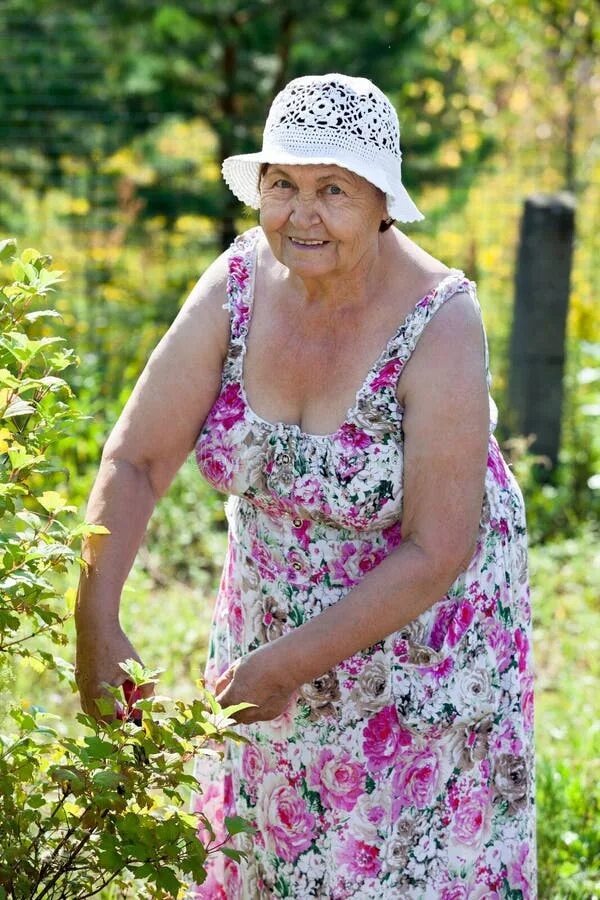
column 351, row 478
column 308, row 372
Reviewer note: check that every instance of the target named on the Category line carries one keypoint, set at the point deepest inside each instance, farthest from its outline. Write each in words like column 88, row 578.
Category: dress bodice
column 281, row 469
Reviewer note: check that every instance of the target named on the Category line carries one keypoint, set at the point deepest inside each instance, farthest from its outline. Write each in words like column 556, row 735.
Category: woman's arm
column 153, row 436
column 446, row 430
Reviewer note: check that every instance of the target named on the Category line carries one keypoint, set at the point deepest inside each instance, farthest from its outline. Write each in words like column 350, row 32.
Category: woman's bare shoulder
column 452, row 342
column 205, row 308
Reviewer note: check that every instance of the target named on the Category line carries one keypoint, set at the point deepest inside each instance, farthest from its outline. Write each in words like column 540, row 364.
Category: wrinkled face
column 320, row 220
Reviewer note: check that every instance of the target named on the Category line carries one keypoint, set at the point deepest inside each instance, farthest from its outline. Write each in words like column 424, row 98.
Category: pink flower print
column 425, row 301
column 283, row 818
column 238, row 279
column 392, row 535
column 308, row 491
column 319, row 575
column 253, row 765
column 500, row 526
column 369, row 559
column 342, row 571
column 516, row 872
column 216, row 463
column 361, row 859
column 282, row 727
column 500, row 640
column 229, row 407
column 460, row 622
column 470, row 825
column 527, row 703
column 339, row 779
column 375, row 815
column 211, row 804
column 353, row 438
column 505, row 738
column 440, row 625
column 238, row 270
column 383, row 738
column 235, row 615
column 211, row 889
column 301, row 531
column 415, row 781
column 267, row 566
column 401, row 649
column 347, row 467
column 441, row 670
column 388, row 375
column 454, row 891
column 232, row 878
column 298, row 571
column 522, row 645
column 496, row 463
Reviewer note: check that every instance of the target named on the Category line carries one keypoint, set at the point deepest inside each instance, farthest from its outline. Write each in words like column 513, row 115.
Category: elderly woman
column 333, row 379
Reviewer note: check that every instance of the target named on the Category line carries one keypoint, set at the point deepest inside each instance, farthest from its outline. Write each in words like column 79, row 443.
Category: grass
column 565, row 579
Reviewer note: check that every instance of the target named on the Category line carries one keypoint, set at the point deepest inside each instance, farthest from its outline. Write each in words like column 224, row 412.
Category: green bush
column 106, row 805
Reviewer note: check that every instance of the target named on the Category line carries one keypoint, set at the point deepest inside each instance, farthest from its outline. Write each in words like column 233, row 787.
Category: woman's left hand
column 256, row 678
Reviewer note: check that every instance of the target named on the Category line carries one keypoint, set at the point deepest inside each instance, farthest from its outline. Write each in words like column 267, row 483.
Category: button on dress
column 407, row 771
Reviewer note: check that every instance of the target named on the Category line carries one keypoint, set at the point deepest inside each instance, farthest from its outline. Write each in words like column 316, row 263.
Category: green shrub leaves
column 107, row 805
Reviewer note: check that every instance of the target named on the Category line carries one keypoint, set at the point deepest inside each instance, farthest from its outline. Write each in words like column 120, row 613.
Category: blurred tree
column 91, row 79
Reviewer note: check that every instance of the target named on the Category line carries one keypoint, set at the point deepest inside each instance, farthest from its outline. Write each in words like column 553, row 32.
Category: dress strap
column 403, row 342
column 241, row 264
column 241, row 270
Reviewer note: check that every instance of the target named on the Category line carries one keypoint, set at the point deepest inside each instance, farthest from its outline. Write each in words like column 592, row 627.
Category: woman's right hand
column 99, row 652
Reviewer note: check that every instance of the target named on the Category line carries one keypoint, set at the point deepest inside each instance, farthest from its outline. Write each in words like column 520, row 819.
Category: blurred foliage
column 134, row 63
column 104, row 806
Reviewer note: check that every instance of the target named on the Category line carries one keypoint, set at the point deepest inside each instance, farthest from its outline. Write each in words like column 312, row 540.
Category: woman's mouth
column 307, row 244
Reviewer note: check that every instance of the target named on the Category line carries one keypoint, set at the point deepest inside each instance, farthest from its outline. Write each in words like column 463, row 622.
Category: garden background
column 114, row 117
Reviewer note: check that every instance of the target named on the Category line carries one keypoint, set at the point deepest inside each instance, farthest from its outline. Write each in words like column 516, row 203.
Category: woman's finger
column 224, row 680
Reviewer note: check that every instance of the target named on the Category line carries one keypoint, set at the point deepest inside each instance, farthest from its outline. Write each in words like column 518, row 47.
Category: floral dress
column 408, row 770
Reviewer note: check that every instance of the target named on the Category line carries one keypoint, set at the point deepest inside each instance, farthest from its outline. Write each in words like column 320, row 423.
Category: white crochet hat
column 332, row 120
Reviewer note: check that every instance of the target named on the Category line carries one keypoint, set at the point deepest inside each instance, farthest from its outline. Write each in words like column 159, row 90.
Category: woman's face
column 320, row 220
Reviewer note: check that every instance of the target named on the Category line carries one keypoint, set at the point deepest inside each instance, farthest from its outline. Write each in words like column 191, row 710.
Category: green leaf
column 105, row 706
column 237, row 855
column 65, row 774
column 42, row 313
column 99, row 749
column 109, row 859
column 238, row 825
column 47, row 278
column 167, row 880
column 18, row 407
column 52, row 501
column 138, row 673
column 230, row 711
column 107, row 779
column 8, row 248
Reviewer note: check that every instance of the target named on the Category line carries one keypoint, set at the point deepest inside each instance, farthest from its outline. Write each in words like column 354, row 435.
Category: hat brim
column 241, row 174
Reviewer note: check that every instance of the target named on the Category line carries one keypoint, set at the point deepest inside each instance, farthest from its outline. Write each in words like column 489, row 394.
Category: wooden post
column 537, row 348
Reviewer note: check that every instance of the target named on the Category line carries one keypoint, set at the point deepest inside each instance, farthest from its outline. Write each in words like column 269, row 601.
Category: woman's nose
column 304, row 209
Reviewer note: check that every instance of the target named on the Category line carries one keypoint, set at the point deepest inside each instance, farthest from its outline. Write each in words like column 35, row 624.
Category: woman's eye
column 283, row 183
column 334, row 189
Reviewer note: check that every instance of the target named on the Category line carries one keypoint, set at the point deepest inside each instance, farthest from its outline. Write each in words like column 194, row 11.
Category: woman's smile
column 307, row 244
